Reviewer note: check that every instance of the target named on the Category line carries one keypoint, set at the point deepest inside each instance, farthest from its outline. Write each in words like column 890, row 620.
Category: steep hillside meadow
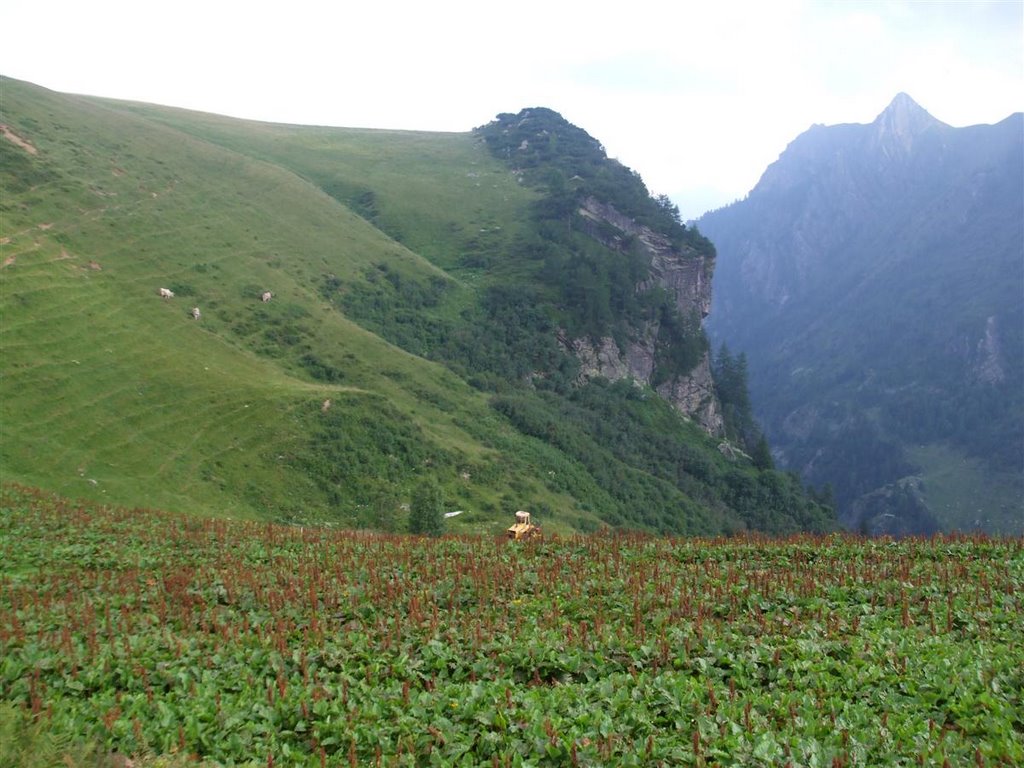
column 112, row 392
column 427, row 297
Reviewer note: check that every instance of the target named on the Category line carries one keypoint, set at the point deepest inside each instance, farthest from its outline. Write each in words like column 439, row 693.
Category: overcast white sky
column 697, row 97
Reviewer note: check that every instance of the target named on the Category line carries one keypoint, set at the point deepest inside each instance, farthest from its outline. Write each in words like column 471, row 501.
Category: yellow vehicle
column 523, row 529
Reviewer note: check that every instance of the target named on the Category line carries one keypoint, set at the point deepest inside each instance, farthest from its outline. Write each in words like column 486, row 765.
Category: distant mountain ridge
column 873, row 277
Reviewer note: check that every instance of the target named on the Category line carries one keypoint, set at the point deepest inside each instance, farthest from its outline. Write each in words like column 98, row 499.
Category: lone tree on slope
column 426, row 514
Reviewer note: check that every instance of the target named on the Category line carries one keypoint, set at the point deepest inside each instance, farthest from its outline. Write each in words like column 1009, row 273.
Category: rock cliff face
column 687, row 277
column 989, row 368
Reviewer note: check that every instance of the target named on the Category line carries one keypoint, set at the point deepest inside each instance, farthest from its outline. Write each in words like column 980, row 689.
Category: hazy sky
column 697, row 97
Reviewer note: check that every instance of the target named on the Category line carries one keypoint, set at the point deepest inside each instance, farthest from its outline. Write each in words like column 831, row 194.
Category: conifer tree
column 426, row 513
column 762, row 454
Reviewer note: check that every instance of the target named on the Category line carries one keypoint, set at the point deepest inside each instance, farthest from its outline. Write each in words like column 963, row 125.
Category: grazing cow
column 196, row 314
column 166, row 293
column 266, row 296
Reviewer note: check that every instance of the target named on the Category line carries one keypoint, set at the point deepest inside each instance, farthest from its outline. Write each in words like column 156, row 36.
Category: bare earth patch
column 15, row 139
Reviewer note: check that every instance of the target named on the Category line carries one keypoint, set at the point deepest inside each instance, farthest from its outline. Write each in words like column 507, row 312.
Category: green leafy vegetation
column 572, row 165
column 730, row 373
column 645, row 457
column 132, row 633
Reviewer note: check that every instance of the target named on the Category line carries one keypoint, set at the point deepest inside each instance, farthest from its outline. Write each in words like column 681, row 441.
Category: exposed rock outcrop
column 687, row 277
column 989, row 366
column 694, row 395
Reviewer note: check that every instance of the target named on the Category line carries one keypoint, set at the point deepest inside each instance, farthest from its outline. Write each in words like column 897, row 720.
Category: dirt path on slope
column 15, row 139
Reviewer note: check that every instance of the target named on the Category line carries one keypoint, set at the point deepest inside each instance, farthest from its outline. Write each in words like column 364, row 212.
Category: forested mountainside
column 873, row 280
column 505, row 314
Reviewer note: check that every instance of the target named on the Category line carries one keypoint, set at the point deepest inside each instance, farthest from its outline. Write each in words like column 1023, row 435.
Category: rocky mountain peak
column 901, row 123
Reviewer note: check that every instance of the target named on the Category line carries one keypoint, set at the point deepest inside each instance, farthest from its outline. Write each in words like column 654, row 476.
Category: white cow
column 266, row 296
column 196, row 314
column 166, row 293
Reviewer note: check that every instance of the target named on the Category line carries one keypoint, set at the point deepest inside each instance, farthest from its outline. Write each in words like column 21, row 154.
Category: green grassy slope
column 442, row 194
column 409, row 327
column 110, row 391
column 966, row 494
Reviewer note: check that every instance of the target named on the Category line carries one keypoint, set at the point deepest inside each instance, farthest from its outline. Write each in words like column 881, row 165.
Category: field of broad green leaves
column 145, row 634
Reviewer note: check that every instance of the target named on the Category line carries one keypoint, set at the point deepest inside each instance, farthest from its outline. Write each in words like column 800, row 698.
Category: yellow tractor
column 523, row 529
